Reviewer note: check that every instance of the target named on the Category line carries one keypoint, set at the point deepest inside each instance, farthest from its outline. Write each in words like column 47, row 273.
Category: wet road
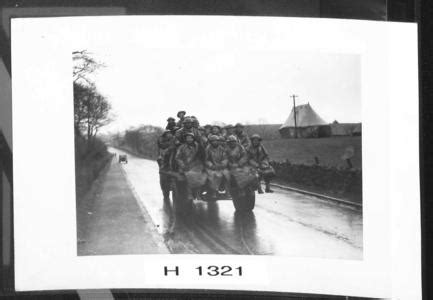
column 283, row 223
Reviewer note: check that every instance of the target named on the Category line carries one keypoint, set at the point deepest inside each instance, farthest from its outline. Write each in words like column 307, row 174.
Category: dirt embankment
column 90, row 160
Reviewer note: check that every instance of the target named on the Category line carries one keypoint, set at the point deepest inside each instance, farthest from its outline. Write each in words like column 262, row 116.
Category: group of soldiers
column 215, row 150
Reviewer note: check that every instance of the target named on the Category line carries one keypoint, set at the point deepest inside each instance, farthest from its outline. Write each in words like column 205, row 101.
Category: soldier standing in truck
column 242, row 135
column 181, row 115
column 187, row 159
column 166, row 149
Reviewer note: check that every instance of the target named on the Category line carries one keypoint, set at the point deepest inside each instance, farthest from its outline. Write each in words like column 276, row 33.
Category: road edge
column 157, row 238
column 321, row 196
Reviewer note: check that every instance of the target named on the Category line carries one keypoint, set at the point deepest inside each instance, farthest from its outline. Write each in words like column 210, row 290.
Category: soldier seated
column 216, row 166
column 236, row 155
column 216, row 130
column 258, row 158
column 188, row 161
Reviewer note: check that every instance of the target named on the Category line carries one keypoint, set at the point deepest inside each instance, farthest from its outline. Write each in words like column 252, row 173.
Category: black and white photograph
column 217, row 152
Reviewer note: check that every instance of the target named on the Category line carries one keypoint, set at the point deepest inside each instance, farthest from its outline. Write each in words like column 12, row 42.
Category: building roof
column 305, row 116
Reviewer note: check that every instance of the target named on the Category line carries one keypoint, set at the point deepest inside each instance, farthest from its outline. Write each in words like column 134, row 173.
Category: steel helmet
column 232, row 138
column 187, row 120
column 256, row 136
column 181, row 112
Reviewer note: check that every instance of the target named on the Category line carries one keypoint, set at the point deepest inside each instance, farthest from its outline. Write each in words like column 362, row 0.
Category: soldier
column 242, row 135
column 216, row 166
column 223, row 131
column 222, row 141
column 203, row 136
column 187, row 157
column 195, row 122
column 207, row 129
column 258, row 158
column 171, row 125
column 216, row 130
column 236, row 154
column 187, row 128
column 229, row 129
column 165, row 150
column 181, row 115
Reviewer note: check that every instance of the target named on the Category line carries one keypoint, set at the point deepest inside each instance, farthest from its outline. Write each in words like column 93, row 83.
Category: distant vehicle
column 123, row 158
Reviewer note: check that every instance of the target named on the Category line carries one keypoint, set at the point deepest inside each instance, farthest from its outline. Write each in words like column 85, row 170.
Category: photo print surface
column 217, row 151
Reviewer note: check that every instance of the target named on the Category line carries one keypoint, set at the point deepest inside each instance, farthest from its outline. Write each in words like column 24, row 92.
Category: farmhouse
column 310, row 125
column 345, row 129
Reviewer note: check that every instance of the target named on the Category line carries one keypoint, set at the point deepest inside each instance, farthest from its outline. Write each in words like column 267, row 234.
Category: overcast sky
column 147, row 85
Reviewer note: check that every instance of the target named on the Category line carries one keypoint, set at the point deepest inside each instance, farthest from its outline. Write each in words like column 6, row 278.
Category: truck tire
column 243, row 200
column 180, row 198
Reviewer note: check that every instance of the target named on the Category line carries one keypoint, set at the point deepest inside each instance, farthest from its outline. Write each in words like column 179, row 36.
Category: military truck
column 242, row 187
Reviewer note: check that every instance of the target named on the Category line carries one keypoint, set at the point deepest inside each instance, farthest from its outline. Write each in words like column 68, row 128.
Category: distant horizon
column 258, row 121
column 245, row 124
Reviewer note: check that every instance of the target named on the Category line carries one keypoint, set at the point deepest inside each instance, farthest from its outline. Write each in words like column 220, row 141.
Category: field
column 329, row 151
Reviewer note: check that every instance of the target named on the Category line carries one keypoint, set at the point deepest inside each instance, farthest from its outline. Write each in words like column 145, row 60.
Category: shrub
column 345, row 182
column 90, row 159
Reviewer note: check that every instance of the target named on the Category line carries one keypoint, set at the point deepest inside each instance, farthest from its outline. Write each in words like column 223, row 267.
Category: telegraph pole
column 294, row 115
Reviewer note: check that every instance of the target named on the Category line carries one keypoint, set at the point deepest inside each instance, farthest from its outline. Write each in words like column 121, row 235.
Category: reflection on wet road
column 283, row 223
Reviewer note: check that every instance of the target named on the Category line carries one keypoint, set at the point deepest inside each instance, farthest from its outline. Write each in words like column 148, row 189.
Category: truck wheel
column 243, row 200
column 180, row 198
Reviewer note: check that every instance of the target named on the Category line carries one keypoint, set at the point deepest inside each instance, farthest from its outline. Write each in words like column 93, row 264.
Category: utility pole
column 294, row 115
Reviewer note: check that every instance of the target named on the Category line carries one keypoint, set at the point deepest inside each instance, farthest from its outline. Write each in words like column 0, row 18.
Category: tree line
column 91, row 109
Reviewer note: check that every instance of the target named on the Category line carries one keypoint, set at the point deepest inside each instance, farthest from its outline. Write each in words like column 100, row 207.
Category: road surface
column 283, row 223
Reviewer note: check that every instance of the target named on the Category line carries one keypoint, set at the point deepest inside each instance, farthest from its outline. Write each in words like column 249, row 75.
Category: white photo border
column 43, row 141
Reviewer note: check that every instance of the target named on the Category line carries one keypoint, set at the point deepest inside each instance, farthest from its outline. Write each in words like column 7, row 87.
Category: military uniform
column 187, row 157
column 182, row 132
column 166, row 148
column 242, row 174
column 236, row 156
column 216, row 167
column 179, row 123
column 258, row 158
column 243, row 139
column 190, row 165
column 216, row 158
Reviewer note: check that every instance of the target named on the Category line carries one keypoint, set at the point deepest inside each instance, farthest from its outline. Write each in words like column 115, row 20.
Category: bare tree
column 92, row 110
column 84, row 65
